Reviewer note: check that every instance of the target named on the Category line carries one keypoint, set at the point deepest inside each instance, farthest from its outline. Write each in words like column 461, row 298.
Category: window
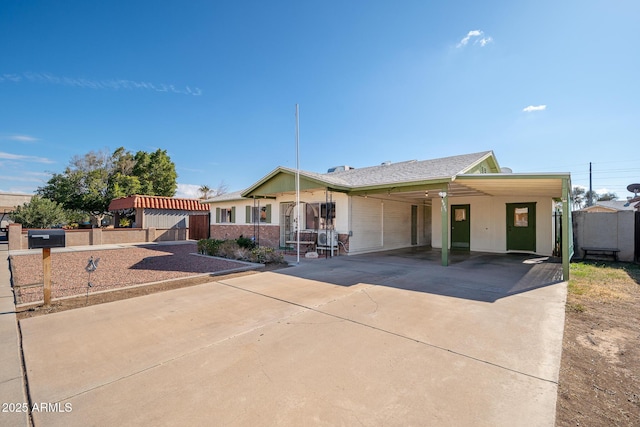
column 521, row 217
column 320, row 215
column 261, row 214
column 460, row 214
column 225, row 215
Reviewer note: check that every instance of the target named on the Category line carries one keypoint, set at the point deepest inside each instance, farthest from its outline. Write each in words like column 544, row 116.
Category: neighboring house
column 461, row 202
column 156, row 211
column 8, row 202
column 609, row 206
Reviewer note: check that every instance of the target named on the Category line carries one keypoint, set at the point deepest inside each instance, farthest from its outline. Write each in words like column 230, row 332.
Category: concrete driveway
column 385, row 339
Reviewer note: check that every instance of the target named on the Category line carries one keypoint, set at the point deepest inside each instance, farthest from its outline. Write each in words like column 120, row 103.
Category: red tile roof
column 157, row 202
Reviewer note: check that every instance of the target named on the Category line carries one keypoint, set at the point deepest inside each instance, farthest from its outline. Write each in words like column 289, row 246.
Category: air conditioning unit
column 328, row 238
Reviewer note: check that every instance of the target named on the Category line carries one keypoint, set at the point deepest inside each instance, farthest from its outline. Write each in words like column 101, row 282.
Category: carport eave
column 539, row 184
column 400, row 187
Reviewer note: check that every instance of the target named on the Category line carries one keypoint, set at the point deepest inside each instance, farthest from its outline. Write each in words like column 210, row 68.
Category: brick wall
column 269, row 234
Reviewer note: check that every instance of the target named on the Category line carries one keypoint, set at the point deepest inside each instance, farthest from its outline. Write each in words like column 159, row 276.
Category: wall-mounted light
column 426, row 193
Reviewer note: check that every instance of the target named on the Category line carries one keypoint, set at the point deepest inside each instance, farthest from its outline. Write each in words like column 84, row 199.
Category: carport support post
column 444, row 211
column 46, row 273
column 567, row 245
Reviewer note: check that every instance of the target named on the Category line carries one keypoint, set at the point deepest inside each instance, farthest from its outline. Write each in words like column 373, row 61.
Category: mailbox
column 46, row 239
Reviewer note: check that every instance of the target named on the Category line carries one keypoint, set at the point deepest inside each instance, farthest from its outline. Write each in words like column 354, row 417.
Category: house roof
column 410, row 171
column 235, row 195
column 386, row 174
column 462, row 175
column 613, row 205
column 156, row 202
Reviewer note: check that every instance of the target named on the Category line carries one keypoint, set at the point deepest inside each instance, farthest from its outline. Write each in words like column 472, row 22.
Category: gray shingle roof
column 409, row 171
column 393, row 173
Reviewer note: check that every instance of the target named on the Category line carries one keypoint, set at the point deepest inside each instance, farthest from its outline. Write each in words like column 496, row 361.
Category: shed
column 157, row 211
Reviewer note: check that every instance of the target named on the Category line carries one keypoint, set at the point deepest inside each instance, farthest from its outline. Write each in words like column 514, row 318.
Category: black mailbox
column 46, row 239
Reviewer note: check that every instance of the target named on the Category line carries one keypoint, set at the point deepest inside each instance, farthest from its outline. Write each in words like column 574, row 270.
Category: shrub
column 265, row 255
column 245, row 242
column 233, row 249
column 209, row 246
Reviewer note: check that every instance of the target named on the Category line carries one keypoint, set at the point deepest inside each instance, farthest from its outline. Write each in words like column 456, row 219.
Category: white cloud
column 189, row 191
column 532, row 108
column 113, row 84
column 22, row 138
column 20, row 157
column 475, row 33
column 484, row 41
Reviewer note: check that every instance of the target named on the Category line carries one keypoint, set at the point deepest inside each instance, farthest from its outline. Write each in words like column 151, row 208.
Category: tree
column 578, row 195
column 39, row 213
column 205, row 191
column 91, row 181
column 156, row 173
column 605, row 197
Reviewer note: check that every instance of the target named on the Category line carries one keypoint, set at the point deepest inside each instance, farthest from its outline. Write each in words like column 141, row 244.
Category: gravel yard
column 117, row 268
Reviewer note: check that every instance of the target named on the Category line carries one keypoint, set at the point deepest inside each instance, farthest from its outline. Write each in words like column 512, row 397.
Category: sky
column 548, row 86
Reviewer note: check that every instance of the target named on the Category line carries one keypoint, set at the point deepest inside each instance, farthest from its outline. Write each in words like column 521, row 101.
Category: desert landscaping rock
column 117, row 268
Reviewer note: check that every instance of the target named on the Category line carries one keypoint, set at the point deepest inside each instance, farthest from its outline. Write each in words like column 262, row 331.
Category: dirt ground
column 600, row 373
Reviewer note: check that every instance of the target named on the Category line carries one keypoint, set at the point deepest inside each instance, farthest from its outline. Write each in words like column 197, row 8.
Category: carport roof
column 508, row 184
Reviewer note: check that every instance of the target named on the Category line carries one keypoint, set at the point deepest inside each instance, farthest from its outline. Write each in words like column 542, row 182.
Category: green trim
column 567, row 228
column 247, row 214
column 507, row 176
column 398, row 187
column 282, row 180
column 233, row 214
column 489, row 160
column 444, row 212
column 269, row 214
column 217, row 215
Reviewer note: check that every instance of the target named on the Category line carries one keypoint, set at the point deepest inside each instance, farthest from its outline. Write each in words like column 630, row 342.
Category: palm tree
column 205, row 191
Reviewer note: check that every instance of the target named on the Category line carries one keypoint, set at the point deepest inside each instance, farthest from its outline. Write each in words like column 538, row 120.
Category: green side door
column 460, row 227
column 521, row 227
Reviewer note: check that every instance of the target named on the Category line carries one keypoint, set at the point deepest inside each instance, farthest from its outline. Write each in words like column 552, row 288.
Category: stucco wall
column 604, row 230
column 380, row 223
column 488, row 217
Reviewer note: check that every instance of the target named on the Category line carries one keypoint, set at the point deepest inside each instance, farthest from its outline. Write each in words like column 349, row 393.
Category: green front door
column 460, row 227
column 521, row 227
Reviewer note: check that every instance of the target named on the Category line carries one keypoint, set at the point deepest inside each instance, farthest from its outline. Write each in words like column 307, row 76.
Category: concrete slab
column 273, row 348
column 12, row 392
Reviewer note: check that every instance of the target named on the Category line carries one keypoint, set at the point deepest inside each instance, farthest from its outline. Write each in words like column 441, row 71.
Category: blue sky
column 548, row 86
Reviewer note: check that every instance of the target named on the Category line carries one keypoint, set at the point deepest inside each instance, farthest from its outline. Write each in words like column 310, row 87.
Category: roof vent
column 340, row 168
column 506, row 170
column 385, row 163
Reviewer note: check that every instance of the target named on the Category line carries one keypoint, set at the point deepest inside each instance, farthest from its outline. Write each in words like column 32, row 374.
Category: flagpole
column 297, row 185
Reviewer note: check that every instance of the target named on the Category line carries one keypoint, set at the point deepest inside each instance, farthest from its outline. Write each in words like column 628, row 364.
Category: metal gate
column 199, row 227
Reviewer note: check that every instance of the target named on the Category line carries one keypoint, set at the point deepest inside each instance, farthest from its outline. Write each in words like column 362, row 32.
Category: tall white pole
column 297, row 184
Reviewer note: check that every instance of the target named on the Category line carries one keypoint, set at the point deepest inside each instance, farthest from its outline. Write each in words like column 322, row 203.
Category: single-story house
column 464, row 202
column 156, row 211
